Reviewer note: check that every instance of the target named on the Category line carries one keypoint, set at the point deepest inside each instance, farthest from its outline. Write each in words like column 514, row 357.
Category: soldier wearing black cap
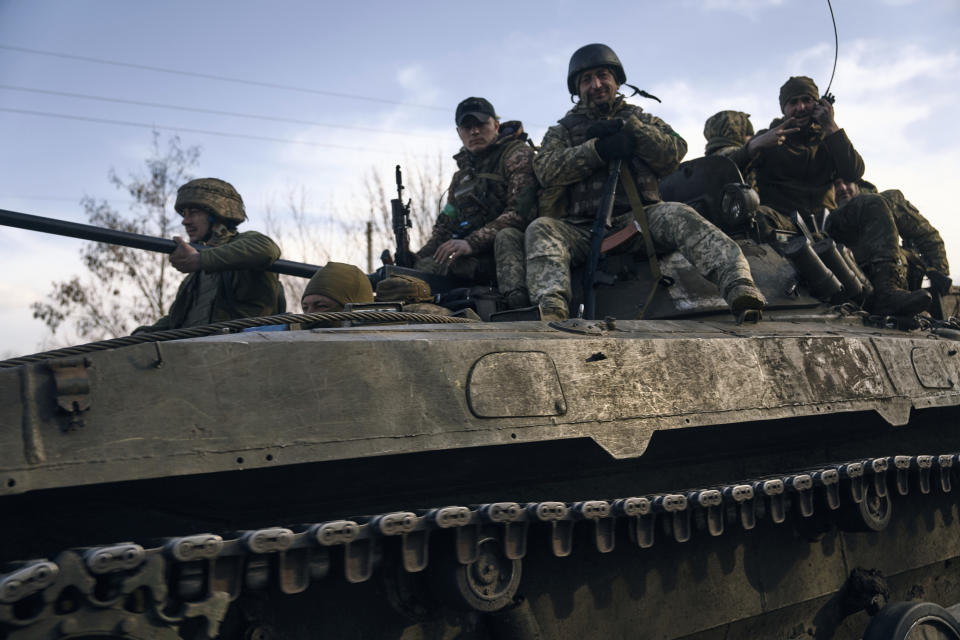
column 227, row 280
column 573, row 166
column 491, row 199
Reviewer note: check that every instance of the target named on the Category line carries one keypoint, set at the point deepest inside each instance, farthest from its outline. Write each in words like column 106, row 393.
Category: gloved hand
column 603, row 128
column 618, row 146
column 939, row 281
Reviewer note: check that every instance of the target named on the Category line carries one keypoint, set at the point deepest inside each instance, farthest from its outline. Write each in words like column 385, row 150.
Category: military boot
column 743, row 295
column 553, row 313
column 890, row 296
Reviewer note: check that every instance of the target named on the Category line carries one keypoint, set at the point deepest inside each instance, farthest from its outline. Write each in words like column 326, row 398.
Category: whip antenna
column 836, row 49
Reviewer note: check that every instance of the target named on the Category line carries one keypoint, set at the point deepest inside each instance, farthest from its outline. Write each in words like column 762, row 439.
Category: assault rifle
column 600, row 224
column 127, row 239
column 400, row 218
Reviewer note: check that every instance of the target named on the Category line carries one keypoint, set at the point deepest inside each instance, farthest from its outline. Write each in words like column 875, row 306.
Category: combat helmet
column 214, row 195
column 589, row 57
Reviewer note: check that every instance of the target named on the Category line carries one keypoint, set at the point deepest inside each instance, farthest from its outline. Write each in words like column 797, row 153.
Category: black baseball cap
column 479, row 108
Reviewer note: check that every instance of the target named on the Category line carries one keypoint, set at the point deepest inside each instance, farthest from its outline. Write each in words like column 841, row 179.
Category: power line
column 223, row 134
column 161, row 105
column 210, row 76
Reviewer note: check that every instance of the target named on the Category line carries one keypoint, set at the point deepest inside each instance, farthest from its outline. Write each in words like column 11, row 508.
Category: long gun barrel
column 600, row 224
column 126, row 239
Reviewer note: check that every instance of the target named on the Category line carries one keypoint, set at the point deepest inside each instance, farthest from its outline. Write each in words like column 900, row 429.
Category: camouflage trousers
column 465, row 269
column 508, row 247
column 554, row 247
column 866, row 224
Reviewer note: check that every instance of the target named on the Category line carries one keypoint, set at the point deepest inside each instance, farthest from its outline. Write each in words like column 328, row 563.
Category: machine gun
column 400, row 218
column 127, row 239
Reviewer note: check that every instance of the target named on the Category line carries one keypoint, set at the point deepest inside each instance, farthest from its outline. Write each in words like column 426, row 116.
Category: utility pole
column 369, row 246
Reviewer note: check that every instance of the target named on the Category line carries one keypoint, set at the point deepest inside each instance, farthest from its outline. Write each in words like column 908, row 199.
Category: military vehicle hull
column 582, row 479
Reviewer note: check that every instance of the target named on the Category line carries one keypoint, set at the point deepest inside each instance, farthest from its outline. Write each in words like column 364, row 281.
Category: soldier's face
column 317, row 303
column 845, row 190
column 597, row 86
column 196, row 222
column 477, row 136
column 800, row 108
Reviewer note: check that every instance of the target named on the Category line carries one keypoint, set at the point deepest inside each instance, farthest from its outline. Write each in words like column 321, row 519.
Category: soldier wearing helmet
column 227, row 279
column 573, row 165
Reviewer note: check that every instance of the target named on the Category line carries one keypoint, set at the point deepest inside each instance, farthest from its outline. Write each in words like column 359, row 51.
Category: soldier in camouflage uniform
column 728, row 133
column 572, row 166
column 923, row 248
column 478, row 236
column 228, row 279
column 797, row 161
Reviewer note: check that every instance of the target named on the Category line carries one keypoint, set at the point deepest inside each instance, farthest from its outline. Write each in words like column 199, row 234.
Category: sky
column 346, row 90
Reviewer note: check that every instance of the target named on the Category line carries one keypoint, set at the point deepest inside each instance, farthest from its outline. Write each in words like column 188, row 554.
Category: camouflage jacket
column 919, row 236
column 563, row 162
column 917, row 232
column 244, row 289
column 798, row 175
column 490, row 191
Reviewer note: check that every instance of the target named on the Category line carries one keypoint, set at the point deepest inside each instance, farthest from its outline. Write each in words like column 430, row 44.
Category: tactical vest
column 478, row 191
column 583, row 198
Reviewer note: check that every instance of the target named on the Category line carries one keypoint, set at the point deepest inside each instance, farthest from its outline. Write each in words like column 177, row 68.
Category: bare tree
column 124, row 287
column 305, row 237
column 425, row 185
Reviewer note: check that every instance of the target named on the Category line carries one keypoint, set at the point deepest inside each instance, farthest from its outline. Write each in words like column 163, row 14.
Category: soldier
column 922, row 245
column 572, row 166
column 797, row 161
column 228, row 279
column 491, row 199
column 335, row 285
column 727, row 134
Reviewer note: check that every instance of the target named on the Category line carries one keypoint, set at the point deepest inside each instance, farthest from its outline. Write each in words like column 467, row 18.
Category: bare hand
column 823, row 113
column 451, row 250
column 184, row 258
column 772, row 137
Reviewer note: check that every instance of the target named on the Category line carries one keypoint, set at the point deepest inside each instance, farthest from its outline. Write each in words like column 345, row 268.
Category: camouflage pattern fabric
column 466, row 268
column 511, row 267
column 243, row 288
column 554, row 246
column 215, row 195
column 515, row 195
column 727, row 129
column 865, row 223
column 727, row 134
column 798, row 175
column 560, row 162
column 403, row 288
column 918, row 234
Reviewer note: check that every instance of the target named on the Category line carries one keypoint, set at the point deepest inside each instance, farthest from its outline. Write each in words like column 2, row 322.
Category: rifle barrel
column 125, row 238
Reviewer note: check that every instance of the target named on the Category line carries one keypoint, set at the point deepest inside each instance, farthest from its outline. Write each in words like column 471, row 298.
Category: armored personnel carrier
column 426, row 477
